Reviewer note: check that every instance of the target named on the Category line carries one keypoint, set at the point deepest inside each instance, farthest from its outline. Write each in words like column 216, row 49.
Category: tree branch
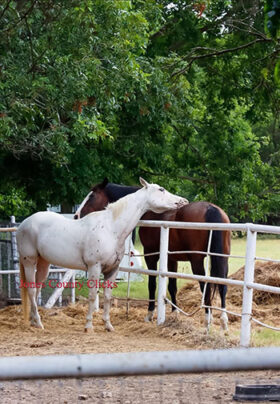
column 5, row 8
column 251, row 31
column 22, row 17
column 30, row 43
column 218, row 53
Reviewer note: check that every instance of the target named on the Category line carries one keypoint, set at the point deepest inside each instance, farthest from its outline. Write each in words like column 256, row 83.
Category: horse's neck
column 115, row 192
column 126, row 213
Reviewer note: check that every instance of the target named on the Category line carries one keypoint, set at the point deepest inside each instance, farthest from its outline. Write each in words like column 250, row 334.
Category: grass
column 266, row 248
column 265, row 337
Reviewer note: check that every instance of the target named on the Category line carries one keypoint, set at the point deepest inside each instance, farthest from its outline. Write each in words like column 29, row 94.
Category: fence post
column 62, row 288
column 73, row 289
column 14, row 243
column 248, row 292
column 15, row 254
column 163, row 259
column 128, row 275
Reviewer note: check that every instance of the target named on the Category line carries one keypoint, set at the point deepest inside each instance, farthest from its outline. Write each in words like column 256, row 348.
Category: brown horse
column 179, row 240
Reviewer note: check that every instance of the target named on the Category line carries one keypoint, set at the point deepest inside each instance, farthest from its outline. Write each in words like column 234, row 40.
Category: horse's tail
column 24, row 294
column 218, row 264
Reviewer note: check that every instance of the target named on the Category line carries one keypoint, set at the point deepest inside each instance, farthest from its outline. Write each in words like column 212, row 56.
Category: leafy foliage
column 182, row 93
column 272, row 27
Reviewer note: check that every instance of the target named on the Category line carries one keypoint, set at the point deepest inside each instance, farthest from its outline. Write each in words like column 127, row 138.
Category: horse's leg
column 198, row 269
column 93, row 279
column 30, row 268
column 107, row 299
column 172, row 284
column 151, row 264
column 41, row 274
column 224, row 317
column 223, row 292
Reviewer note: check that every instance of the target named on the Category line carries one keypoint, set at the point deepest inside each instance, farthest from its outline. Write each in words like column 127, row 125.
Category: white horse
column 94, row 244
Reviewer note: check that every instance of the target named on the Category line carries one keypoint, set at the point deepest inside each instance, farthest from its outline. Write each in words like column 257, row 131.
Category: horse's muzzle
column 182, row 202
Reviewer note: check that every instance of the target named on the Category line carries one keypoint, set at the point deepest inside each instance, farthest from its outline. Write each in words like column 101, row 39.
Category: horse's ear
column 143, row 182
column 104, row 183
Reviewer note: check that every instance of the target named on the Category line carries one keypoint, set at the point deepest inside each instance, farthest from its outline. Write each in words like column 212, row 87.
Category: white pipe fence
column 248, row 284
column 138, row 363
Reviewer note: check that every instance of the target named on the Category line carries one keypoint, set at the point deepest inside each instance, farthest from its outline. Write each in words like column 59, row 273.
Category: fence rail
column 7, row 229
column 138, row 363
column 212, row 226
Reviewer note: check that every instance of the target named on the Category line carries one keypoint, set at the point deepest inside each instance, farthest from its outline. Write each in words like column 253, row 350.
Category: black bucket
column 257, row 392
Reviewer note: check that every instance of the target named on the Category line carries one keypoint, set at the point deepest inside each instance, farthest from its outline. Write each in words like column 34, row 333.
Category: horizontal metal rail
column 202, row 278
column 263, row 288
column 52, row 270
column 168, row 274
column 138, row 363
column 206, row 253
column 197, row 225
column 266, row 259
column 7, row 229
column 212, row 226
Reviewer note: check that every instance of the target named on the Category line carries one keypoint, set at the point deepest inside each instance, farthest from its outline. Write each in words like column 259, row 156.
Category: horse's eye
column 161, row 189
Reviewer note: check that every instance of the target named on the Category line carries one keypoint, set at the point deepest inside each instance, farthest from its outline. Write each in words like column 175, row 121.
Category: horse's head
column 96, row 200
column 160, row 200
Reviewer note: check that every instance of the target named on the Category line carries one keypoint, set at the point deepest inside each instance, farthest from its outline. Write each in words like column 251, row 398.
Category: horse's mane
column 116, row 191
column 118, row 206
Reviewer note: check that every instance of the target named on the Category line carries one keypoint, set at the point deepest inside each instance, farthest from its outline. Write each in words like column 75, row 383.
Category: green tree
column 182, row 93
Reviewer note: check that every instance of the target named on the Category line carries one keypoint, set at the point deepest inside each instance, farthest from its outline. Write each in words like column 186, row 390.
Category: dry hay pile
column 266, row 274
column 192, row 330
column 64, row 332
column 266, row 306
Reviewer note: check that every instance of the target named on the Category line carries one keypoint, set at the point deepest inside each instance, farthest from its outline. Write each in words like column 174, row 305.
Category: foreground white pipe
column 138, row 363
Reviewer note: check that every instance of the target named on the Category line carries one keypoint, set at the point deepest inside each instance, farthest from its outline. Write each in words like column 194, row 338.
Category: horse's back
column 194, row 239
column 180, row 240
column 197, row 212
column 39, row 229
column 37, row 222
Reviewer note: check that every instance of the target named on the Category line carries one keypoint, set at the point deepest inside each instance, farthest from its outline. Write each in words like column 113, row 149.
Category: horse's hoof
column 224, row 327
column 109, row 327
column 88, row 329
column 208, row 321
column 39, row 325
column 149, row 317
column 175, row 314
column 224, row 321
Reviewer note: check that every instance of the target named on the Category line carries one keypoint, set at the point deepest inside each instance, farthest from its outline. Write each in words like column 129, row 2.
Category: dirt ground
column 64, row 334
column 203, row 388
